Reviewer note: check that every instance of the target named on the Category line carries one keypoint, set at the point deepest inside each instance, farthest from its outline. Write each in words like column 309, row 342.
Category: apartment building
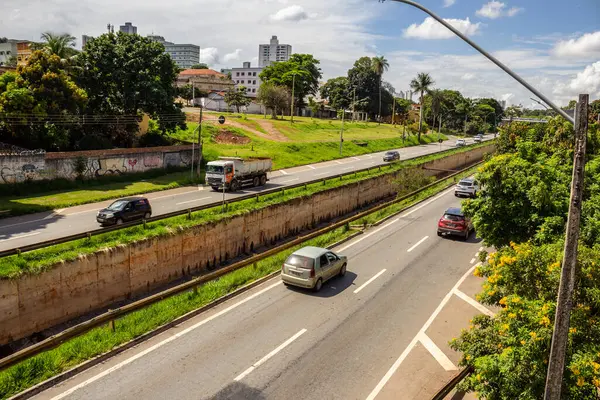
column 7, row 51
column 185, row 55
column 248, row 77
column 273, row 52
column 128, row 28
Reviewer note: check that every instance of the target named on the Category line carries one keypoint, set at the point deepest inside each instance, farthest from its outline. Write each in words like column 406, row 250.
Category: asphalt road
column 275, row 342
column 34, row 228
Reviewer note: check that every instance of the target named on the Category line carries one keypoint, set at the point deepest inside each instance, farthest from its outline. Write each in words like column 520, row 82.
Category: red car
column 454, row 222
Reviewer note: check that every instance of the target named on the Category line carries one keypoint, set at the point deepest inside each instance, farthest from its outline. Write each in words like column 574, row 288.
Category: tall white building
column 248, row 77
column 7, row 51
column 184, row 55
column 272, row 52
column 128, row 28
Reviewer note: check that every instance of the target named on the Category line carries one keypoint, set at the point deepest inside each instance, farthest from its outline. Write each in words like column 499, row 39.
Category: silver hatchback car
column 310, row 267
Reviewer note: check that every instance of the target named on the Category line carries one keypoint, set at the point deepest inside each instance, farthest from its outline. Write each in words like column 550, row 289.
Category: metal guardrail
column 452, row 383
column 188, row 211
column 55, row 340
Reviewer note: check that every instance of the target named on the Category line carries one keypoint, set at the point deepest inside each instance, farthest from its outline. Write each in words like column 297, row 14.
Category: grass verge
column 39, row 260
column 100, row 340
column 93, row 191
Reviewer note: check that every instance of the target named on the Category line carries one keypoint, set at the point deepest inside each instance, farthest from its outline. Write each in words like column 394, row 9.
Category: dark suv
column 391, row 156
column 124, row 210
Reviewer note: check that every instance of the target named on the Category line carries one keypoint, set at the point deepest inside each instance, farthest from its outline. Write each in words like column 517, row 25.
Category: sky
column 553, row 44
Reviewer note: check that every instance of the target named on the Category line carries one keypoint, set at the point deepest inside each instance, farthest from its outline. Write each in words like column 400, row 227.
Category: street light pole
column 490, row 57
column 293, row 87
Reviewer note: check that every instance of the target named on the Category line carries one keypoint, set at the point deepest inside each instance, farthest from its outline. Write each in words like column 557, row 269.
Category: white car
column 478, row 138
column 466, row 187
column 461, row 142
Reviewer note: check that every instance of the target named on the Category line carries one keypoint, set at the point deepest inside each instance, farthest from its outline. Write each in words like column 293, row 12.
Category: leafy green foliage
column 199, row 66
column 337, row 92
column 237, row 98
column 58, row 44
column 274, row 97
column 301, row 72
column 364, row 80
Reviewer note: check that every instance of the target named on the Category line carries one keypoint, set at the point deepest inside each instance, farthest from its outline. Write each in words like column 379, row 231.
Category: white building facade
column 248, row 77
column 128, row 28
column 273, row 52
column 7, row 51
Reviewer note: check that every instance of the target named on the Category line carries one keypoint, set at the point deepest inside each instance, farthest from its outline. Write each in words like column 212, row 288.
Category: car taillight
column 312, row 272
column 282, row 267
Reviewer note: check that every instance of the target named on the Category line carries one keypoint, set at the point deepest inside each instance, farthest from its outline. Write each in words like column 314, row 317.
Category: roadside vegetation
column 102, row 339
column 38, row 260
column 522, row 212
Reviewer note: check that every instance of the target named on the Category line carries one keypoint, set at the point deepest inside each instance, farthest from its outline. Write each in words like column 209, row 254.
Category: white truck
column 234, row 172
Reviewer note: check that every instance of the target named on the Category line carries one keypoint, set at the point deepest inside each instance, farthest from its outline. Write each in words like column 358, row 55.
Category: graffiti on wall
column 21, row 173
column 112, row 166
column 153, row 161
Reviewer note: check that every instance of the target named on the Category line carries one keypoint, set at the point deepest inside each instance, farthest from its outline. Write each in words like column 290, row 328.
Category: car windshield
column 454, row 217
column 390, row 153
column 215, row 169
column 300, row 261
column 117, row 205
column 465, row 183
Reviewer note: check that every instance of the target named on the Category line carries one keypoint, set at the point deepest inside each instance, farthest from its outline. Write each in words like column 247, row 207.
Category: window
column 300, row 261
column 254, row 74
column 331, row 257
column 254, row 82
column 242, row 73
column 242, row 82
column 323, row 262
column 237, row 74
column 253, row 90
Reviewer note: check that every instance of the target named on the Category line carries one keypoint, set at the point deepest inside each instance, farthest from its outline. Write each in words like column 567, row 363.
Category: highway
column 380, row 332
column 34, row 228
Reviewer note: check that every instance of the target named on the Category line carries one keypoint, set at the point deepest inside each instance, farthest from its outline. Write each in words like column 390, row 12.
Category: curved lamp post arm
column 490, row 57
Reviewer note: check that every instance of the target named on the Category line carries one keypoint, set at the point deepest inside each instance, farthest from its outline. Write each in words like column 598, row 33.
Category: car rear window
column 465, row 183
column 454, row 217
column 300, row 261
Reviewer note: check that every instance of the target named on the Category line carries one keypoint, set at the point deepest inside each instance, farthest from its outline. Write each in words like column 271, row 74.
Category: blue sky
column 554, row 44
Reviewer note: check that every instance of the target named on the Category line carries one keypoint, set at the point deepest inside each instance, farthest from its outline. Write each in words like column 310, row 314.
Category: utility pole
column 293, row 87
column 569, row 273
column 199, row 143
column 354, row 104
column 342, row 131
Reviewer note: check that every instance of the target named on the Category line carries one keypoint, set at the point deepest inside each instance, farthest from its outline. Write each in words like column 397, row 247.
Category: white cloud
column 496, row 9
column 233, row 56
column 449, row 3
column 587, row 81
column 209, row 56
column 293, row 13
column 468, row 76
column 587, row 46
column 431, row 29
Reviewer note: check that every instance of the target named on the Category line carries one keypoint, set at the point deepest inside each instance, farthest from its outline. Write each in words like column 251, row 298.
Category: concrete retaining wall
column 96, row 163
column 33, row 303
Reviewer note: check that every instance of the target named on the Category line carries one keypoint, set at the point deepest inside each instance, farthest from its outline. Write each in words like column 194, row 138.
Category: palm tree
column 380, row 65
column 422, row 83
column 436, row 103
column 59, row 44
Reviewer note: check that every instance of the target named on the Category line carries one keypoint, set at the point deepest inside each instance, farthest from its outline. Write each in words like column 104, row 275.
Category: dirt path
column 273, row 134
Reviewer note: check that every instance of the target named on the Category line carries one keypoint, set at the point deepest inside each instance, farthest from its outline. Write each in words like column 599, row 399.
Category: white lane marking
column 426, row 203
column 356, row 158
column 474, row 303
column 338, row 162
column 283, row 172
column 437, row 353
column 361, row 238
column 160, row 344
column 347, row 168
column 22, row 236
column 416, row 244
column 412, row 344
column 472, row 260
column 271, row 354
column 322, row 173
column 171, row 195
column 290, row 180
column 192, row 201
column 311, row 167
column 370, row 280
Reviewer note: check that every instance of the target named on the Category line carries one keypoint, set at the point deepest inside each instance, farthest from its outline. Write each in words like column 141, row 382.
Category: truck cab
column 233, row 173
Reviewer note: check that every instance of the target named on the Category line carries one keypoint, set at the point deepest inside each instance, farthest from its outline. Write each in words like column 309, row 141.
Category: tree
column 498, row 110
column 571, row 106
column 273, row 97
column 59, row 44
column 237, row 98
column 363, row 80
column 436, row 104
column 38, row 90
column 514, row 111
column 422, row 84
column 337, row 92
column 3, row 40
column 403, row 107
column 380, row 65
column 199, row 66
column 127, row 75
column 301, row 72
column 186, row 92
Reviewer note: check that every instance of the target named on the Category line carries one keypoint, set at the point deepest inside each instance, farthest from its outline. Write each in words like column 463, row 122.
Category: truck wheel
column 256, row 181
column 263, row 180
column 215, row 188
column 234, row 186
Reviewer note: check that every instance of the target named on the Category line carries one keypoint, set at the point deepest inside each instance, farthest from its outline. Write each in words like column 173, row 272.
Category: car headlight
column 109, row 215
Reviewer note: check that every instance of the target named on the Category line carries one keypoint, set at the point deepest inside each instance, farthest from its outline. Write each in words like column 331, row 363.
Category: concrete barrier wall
column 32, row 303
